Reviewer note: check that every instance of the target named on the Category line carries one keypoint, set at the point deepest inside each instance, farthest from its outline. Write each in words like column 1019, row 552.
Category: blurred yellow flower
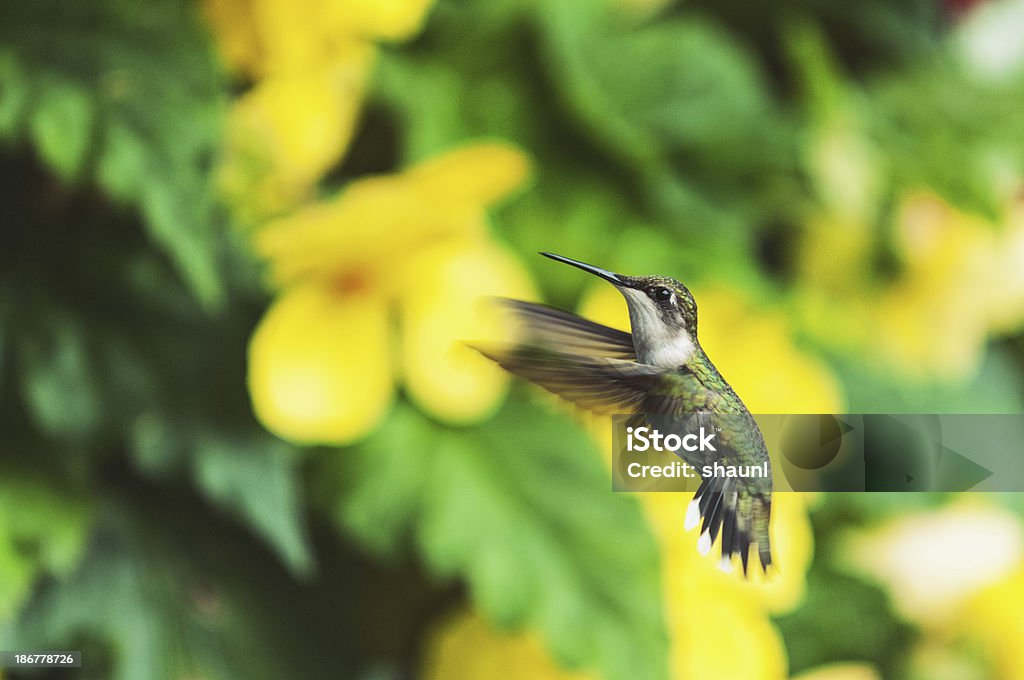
column 958, row 280
column 841, row 671
column 310, row 60
column 936, row 313
column 711, row 614
column 262, row 37
column 993, row 621
column 324, row 359
column 958, row 574
column 932, row 562
column 466, row 647
column 286, row 132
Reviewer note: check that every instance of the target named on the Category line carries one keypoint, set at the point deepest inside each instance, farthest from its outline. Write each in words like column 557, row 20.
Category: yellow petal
column 378, row 219
column 292, row 37
column 731, row 637
column 710, row 614
column 757, row 354
column 380, row 19
column 1006, row 278
column 977, row 543
column 319, row 370
column 841, row 671
column 235, row 32
column 442, row 302
column 467, row 648
column 369, row 228
column 993, row 620
column 296, row 35
column 290, row 129
column 478, row 174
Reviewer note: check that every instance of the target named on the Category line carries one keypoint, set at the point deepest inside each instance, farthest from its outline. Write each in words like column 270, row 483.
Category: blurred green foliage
column 491, row 507
column 129, row 98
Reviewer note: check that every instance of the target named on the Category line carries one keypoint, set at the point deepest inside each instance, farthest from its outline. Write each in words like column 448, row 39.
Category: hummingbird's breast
column 665, row 351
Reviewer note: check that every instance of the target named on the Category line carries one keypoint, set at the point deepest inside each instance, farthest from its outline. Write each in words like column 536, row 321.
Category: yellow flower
column 958, row 574
column 932, row 562
column 261, row 37
column 311, row 61
column 467, row 648
column 711, row 614
column 993, row 621
column 445, row 378
column 841, row 671
column 936, row 312
column 286, row 132
column 411, row 248
column 958, row 281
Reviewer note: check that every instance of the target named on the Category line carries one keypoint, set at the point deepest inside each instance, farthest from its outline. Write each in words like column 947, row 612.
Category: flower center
column 350, row 282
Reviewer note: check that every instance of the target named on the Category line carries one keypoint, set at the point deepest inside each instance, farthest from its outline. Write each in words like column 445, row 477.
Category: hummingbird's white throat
column 656, row 342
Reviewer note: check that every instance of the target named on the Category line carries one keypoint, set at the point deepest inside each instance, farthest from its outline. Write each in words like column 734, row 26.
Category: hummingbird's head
column 662, row 314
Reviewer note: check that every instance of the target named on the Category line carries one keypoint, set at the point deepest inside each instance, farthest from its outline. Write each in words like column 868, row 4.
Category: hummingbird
column 658, row 371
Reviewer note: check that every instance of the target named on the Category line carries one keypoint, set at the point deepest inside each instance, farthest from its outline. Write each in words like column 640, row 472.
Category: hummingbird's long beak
column 597, row 271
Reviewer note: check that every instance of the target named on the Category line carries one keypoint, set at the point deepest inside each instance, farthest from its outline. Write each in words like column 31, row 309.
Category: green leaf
column 14, row 94
column 167, row 591
column 257, row 480
column 946, row 132
column 62, row 129
column 42, row 529
column 678, row 101
column 385, row 475
column 844, row 618
column 57, row 381
column 126, row 95
column 996, row 388
column 523, row 511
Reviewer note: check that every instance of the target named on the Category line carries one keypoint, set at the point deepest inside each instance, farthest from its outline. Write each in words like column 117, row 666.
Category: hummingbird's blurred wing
column 563, row 331
column 597, row 383
column 735, row 508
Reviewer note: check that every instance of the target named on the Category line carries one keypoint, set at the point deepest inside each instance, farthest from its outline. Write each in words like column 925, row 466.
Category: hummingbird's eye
column 661, row 294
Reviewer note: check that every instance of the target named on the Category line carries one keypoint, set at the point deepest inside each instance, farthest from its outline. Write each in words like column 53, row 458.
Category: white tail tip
column 725, row 565
column 704, row 543
column 692, row 514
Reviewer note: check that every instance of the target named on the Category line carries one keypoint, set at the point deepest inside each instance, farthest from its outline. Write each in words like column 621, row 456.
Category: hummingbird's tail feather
column 762, row 515
column 738, row 514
